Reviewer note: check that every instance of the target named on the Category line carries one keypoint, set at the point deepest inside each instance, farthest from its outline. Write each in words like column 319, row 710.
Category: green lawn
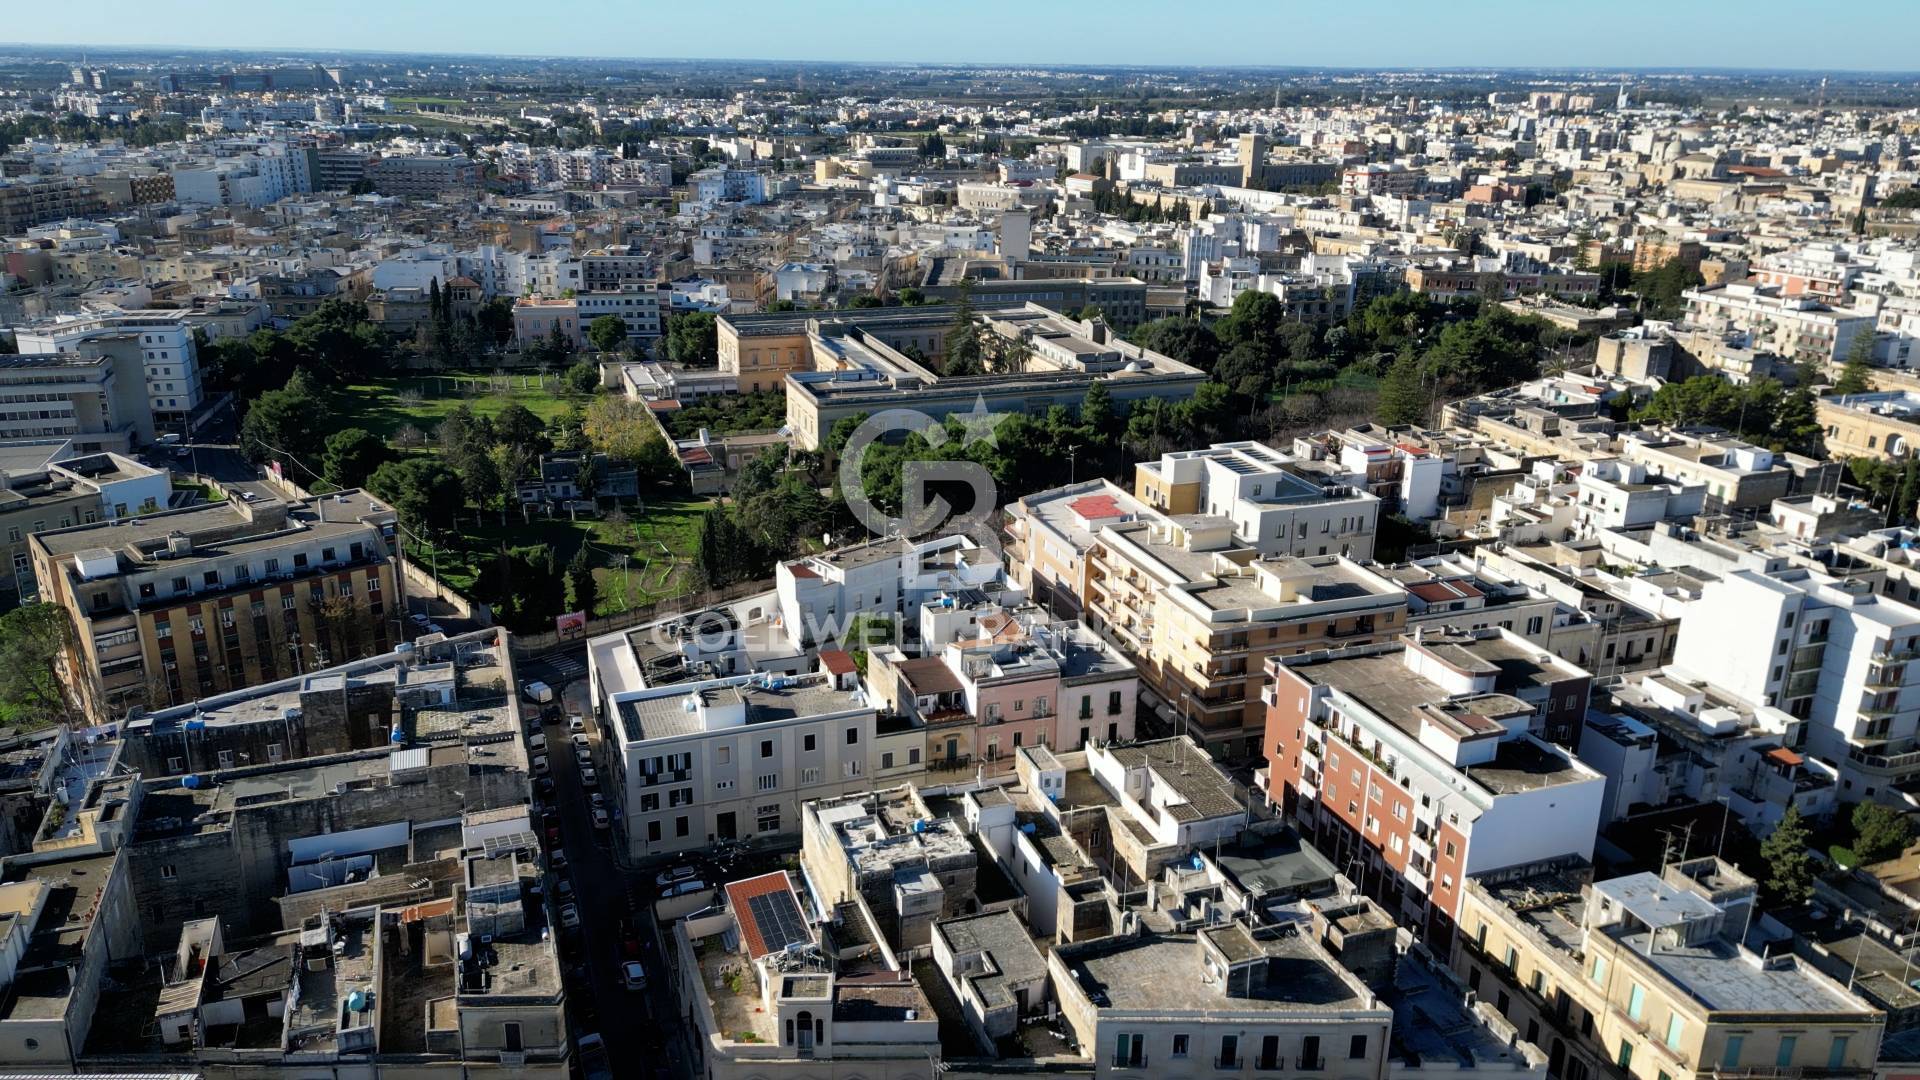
column 646, row 558
column 384, row 406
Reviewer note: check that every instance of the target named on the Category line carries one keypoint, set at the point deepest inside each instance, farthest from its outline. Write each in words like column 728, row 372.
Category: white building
column 888, row 578
column 160, row 339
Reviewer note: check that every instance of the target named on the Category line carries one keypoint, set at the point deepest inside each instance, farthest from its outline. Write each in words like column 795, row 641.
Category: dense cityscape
column 772, row 570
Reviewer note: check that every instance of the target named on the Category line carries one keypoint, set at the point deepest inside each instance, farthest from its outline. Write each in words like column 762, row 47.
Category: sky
column 1839, row 35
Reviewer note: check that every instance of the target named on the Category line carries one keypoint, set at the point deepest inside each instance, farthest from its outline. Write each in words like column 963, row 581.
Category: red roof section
column 801, row 570
column 1439, row 592
column 1784, row 756
column 739, row 892
column 1096, row 507
column 837, row 661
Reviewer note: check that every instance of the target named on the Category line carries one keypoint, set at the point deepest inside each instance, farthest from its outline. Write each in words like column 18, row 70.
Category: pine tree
column 1856, row 375
column 1789, row 867
column 581, row 587
column 1403, row 400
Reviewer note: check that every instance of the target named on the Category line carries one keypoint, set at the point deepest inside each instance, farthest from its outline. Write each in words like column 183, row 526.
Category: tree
column 607, row 333
column 620, row 428
column 1403, row 398
column 351, row 456
column 911, row 297
column 279, row 425
column 865, row 300
column 582, row 590
column 1880, row 832
column 583, row 377
column 423, row 491
column 934, row 147
column 517, row 426
column 962, row 353
column 1789, row 868
column 1856, row 375
column 1097, row 412
column 32, row 638
column 693, row 339
column 1185, row 340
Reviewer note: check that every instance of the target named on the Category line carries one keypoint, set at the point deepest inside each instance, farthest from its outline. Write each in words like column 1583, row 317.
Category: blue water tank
column 1029, row 828
column 191, row 781
column 196, row 724
column 357, row 1001
column 919, row 825
column 396, row 736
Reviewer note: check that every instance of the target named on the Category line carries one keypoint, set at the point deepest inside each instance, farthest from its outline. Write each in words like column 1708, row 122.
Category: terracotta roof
column 1439, row 592
column 1095, row 507
column 928, row 675
column 837, row 661
column 802, row 570
column 663, row 404
column 1783, row 756
column 739, row 897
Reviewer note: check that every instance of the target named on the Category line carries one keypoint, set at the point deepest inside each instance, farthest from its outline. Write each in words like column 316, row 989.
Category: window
column 1113, row 703
column 1229, row 1051
column 724, row 756
column 1784, row 1057
column 653, row 832
column 1636, row 1001
column 1676, row 1028
column 1129, row 1051
column 1730, row 1055
column 1598, row 972
column 1625, row 1060
column 175, row 765
column 679, row 826
column 167, row 871
column 886, row 760
column 1357, row 1047
column 913, row 755
column 853, row 736
column 806, row 743
column 1837, row 1053
column 767, row 818
column 767, row 782
column 810, row 774
column 226, row 759
column 1180, row 1045
column 766, row 748
column 1310, row 1058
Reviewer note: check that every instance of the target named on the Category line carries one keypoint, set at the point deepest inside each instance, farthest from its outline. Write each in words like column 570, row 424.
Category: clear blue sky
column 1836, row 35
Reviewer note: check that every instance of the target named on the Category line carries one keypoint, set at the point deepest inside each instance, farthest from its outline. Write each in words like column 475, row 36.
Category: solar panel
column 505, row 844
column 778, row 918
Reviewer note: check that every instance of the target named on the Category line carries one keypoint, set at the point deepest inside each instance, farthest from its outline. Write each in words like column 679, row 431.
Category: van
column 538, row 691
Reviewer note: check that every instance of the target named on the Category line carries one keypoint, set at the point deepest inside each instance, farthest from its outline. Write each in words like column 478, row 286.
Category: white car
column 576, row 722
column 588, row 777
column 580, row 741
column 570, row 916
column 684, row 888
column 597, row 801
column 633, row 976
column 666, row 878
column 540, row 767
column 557, row 859
column 601, row 820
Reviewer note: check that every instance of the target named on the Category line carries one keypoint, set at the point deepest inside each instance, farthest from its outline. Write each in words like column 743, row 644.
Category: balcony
column 1310, row 1064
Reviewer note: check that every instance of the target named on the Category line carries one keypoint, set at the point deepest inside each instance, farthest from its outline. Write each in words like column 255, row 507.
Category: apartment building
column 40, row 494
column 733, row 758
column 1278, row 504
column 1022, row 683
column 422, row 176
column 187, row 603
column 759, row 350
column 1823, row 649
column 26, row 201
column 1882, row 424
column 1219, row 999
column 1050, row 532
column 1648, row 976
column 1199, row 616
column 1415, row 764
column 770, row 994
column 157, row 343
column 886, row 579
column 1800, row 327
column 642, row 307
column 541, row 318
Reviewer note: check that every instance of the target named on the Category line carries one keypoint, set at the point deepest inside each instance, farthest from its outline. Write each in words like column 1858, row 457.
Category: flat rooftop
column 668, row 715
column 1161, row 973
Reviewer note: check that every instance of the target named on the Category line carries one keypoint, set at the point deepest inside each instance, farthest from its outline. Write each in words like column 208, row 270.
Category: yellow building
column 1881, row 424
column 1646, row 977
column 759, row 350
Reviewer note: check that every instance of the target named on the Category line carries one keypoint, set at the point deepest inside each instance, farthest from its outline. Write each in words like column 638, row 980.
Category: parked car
column 588, row 777
column 538, row 691
column 580, row 741
column 596, row 800
column 419, row 620
column 557, row 859
column 570, row 916
column 563, row 888
column 601, row 820
column 537, row 741
column 540, row 767
column 675, row 875
column 633, row 976
column 545, row 785
column 576, row 722
column 684, row 888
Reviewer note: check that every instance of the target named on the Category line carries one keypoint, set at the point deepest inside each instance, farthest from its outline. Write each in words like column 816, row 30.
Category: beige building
column 759, row 350
column 1646, row 977
column 185, row 604
column 1881, row 424
column 1200, row 614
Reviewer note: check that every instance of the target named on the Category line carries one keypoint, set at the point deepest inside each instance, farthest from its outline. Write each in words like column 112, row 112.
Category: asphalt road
column 639, row 1028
